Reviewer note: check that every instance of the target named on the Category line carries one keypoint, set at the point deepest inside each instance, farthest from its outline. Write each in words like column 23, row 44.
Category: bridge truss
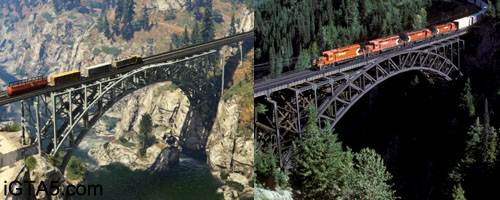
column 284, row 120
column 61, row 119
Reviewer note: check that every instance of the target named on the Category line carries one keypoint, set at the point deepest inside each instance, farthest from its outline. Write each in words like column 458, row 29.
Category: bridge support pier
column 38, row 134
column 23, row 126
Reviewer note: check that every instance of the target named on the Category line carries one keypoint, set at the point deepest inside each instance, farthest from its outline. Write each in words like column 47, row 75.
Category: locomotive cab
column 319, row 63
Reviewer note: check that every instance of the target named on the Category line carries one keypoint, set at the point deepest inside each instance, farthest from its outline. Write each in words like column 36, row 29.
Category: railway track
column 158, row 58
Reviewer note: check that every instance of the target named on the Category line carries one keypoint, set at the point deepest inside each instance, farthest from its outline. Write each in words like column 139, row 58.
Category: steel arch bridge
column 286, row 116
column 61, row 119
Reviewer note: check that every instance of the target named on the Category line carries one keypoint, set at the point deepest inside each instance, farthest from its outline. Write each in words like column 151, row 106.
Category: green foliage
column 458, row 193
column 110, row 123
column 303, row 61
column 232, row 26
column 125, row 142
column 207, row 26
column 224, row 175
column 323, row 167
column 195, row 34
column 329, row 23
column 48, row 37
column 31, row 163
column 467, row 99
column 261, row 108
column 326, row 171
column 48, row 17
column 185, row 37
column 170, row 16
column 110, row 50
column 145, row 129
column 370, row 177
column 75, row 168
column 96, row 51
column 12, row 128
column 217, row 16
column 72, row 16
column 55, row 160
column 235, row 185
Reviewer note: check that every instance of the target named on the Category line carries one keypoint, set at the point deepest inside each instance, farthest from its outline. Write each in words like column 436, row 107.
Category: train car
column 126, row 62
column 443, row 28
column 463, row 22
column 26, row 85
column 382, row 44
column 96, row 69
column 336, row 55
column 65, row 77
column 416, row 35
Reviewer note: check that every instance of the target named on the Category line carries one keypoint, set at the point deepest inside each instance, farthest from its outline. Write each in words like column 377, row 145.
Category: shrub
column 11, row 128
column 75, row 168
column 54, row 160
column 224, row 175
column 31, row 163
column 235, row 185
column 48, row 17
column 170, row 16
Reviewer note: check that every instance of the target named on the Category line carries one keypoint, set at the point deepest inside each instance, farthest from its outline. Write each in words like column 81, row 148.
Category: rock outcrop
column 262, row 194
column 44, row 173
column 229, row 151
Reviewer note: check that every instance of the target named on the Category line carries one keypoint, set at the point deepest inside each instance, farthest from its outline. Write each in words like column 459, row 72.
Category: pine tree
column 107, row 32
column 303, row 61
column 207, row 26
column 185, row 37
column 458, row 193
column 120, row 8
column 232, row 25
column 322, row 164
column 115, row 27
column 195, row 34
column 145, row 19
column 145, row 128
column 467, row 99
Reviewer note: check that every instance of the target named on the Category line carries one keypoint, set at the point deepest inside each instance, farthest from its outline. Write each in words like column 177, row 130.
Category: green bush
column 125, row 142
column 31, row 163
column 54, row 160
column 48, row 37
column 224, row 175
column 75, row 168
column 11, row 128
column 48, row 17
column 170, row 16
column 96, row 51
column 110, row 123
column 110, row 50
column 235, row 185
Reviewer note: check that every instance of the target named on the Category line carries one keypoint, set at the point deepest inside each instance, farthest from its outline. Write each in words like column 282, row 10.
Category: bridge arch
column 357, row 84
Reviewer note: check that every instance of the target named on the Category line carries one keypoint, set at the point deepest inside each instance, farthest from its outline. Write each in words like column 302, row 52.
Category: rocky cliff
column 230, row 150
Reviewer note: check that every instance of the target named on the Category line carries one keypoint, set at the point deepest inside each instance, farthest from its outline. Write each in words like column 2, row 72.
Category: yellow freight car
column 65, row 77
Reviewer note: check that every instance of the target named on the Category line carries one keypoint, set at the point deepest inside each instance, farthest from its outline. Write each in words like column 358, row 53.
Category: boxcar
column 65, row 77
column 336, row 55
column 382, row 44
column 26, row 85
column 440, row 29
column 463, row 22
column 416, row 35
column 96, row 69
column 126, row 62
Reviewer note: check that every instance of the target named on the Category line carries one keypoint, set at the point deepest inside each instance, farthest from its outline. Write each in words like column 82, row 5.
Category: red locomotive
column 439, row 29
column 21, row 86
column 417, row 35
column 336, row 55
column 382, row 44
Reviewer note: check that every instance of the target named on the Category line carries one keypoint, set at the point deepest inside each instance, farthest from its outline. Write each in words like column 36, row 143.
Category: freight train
column 334, row 57
column 34, row 83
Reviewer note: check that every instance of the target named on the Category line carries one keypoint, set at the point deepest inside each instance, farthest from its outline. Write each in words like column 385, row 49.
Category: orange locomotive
column 382, row 44
column 439, row 29
column 21, row 86
column 416, row 35
column 336, row 55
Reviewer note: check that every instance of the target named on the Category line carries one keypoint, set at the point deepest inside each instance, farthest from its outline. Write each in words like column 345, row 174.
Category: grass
column 170, row 87
column 96, row 51
column 75, row 168
column 235, row 185
column 11, row 128
column 31, row 163
column 48, row 17
column 110, row 123
column 48, row 37
column 125, row 142
column 110, row 50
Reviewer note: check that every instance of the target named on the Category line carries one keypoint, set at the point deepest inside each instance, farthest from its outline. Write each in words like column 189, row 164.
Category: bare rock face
column 229, row 151
column 46, row 173
column 247, row 21
column 171, row 5
column 114, row 152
